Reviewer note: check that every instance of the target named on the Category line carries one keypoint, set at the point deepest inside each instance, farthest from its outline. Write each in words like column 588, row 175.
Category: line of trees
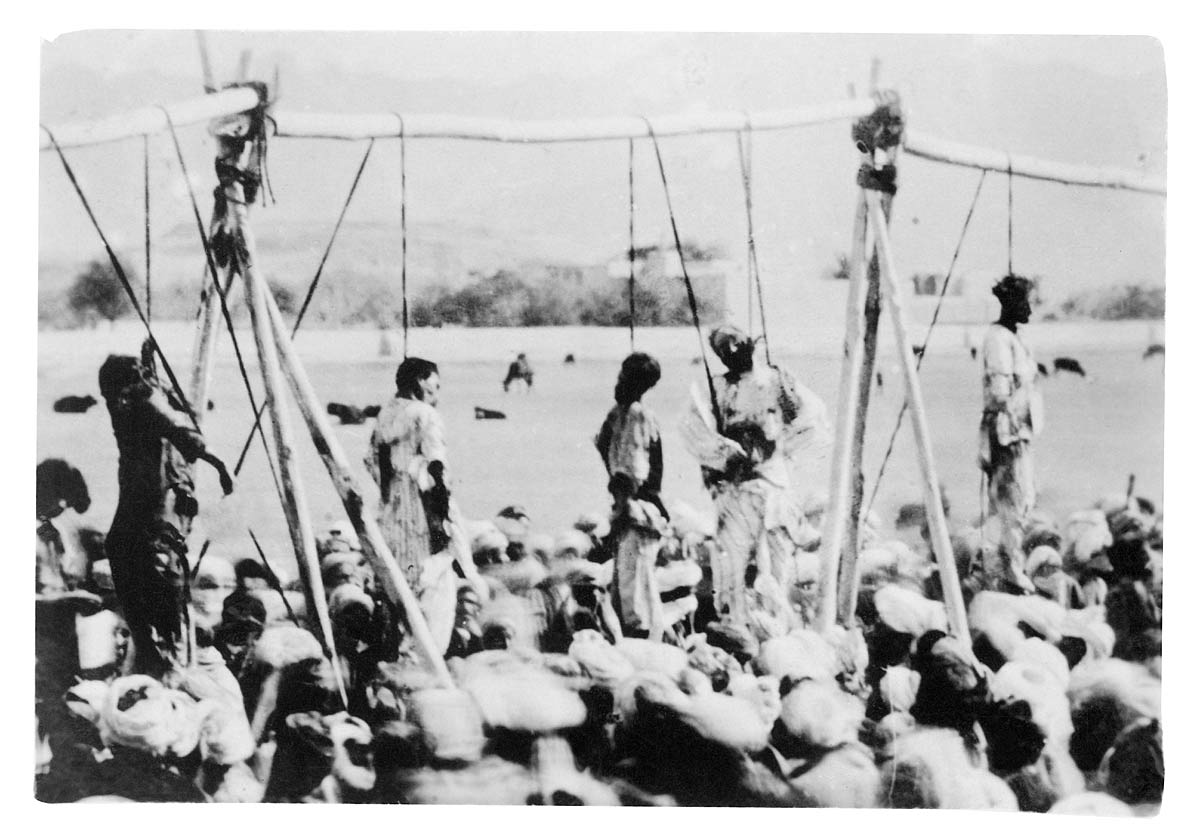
column 541, row 297
column 504, row 299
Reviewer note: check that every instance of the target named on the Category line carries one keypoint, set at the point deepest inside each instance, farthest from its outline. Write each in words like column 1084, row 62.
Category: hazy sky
column 472, row 55
column 1097, row 100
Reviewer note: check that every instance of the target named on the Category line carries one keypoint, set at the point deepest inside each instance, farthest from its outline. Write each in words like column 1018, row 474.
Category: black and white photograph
column 604, row 418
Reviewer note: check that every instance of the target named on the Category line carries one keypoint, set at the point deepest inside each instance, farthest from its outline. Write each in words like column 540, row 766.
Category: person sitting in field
column 147, row 543
column 519, row 371
column 629, row 440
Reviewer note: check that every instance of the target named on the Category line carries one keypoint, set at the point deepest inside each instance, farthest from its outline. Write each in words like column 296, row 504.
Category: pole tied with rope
column 235, row 136
column 878, row 137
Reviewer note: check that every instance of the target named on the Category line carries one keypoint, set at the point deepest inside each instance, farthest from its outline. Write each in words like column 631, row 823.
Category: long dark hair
column 639, row 373
column 411, row 372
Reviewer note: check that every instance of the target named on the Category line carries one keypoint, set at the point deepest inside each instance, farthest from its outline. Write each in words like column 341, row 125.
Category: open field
column 1098, row 431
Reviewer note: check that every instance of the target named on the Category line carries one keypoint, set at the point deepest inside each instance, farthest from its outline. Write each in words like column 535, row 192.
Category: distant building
column 657, row 269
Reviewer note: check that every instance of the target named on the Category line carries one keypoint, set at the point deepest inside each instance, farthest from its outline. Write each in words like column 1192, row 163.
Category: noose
column 1010, row 215
column 146, row 214
column 752, row 271
column 632, row 254
column 403, row 237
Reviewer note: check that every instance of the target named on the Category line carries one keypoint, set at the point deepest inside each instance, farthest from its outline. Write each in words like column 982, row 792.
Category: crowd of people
column 645, row 656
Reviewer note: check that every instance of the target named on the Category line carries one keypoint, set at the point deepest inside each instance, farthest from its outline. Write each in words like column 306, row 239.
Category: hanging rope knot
column 882, row 179
column 883, row 129
column 234, row 133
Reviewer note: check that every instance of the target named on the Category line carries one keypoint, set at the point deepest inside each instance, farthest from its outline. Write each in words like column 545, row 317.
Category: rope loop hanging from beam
column 146, row 216
column 632, row 255
column 744, row 162
column 1010, row 215
column 403, row 235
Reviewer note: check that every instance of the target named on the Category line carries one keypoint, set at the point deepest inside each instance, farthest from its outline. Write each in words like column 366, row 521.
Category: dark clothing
column 147, row 543
column 1130, row 611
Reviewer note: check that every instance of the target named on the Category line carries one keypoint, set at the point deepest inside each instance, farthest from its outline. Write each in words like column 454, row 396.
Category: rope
column 312, row 286
column 403, row 236
column 744, row 160
column 982, row 499
column 928, row 334
column 237, row 349
column 687, row 282
column 632, row 283
column 146, row 214
column 1010, row 213
column 273, row 578
column 124, row 279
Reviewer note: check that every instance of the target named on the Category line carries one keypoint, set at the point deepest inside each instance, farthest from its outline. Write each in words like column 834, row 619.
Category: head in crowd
column 60, row 486
column 639, row 373
column 418, row 379
column 251, row 575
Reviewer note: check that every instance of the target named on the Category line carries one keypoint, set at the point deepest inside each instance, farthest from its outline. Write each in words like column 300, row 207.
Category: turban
column 820, row 714
column 906, row 611
column 572, row 544
column 646, row 655
column 898, row 687
column 599, row 659
column 798, row 655
column 450, row 723
column 142, row 714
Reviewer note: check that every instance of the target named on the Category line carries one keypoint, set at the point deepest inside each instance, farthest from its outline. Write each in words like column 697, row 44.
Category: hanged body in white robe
column 758, row 510
column 412, row 436
column 1012, row 417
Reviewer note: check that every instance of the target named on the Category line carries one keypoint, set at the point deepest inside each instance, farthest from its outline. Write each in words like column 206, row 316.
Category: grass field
column 1098, row 430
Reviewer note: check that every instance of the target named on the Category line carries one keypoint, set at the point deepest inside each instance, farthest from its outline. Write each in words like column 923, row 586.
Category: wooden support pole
column 206, row 73
column 295, row 503
column 839, row 486
column 374, row 545
column 848, row 591
column 207, row 333
column 956, row 611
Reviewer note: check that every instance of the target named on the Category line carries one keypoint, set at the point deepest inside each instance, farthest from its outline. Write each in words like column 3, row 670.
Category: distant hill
column 290, row 251
column 479, row 207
